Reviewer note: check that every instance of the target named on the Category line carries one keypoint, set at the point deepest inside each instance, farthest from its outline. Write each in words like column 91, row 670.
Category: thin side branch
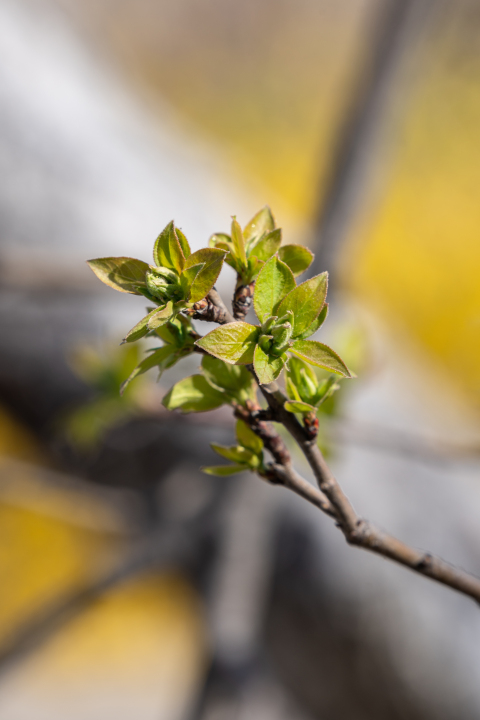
column 252, row 415
column 360, row 532
column 281, row 471
column 286, row 476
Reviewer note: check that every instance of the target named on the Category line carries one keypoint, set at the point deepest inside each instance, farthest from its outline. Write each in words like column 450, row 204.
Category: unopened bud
column 288, row 317
column 265, row 342
column 281, row 333
column 278, row 350
column 163, row 283
column 308, row 388
column 268, row 323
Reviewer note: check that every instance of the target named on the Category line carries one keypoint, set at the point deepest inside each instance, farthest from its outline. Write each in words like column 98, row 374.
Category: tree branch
column 333, row 501
column 289, row 478
column 360, row 532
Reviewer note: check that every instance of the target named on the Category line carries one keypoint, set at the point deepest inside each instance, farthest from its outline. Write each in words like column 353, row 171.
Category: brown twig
column 360, row 532
column 289, row 478
column 281, row 471
column 335, row 503
column 252, row 415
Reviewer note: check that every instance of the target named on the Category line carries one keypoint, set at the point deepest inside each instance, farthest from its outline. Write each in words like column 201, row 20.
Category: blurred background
column 131, row 585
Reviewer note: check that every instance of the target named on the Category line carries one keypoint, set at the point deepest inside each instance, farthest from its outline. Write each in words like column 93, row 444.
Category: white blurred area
column 87, row 172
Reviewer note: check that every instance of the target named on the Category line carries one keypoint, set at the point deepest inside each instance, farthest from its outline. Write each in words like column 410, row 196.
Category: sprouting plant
column 177, row 280
column 239, row 359
column 250, row 248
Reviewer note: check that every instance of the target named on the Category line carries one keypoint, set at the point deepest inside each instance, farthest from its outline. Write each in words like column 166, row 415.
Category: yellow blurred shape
column 55, row 535
column 418, row 258
column 267, row 81
column 56, row 495
column 42, row 559
column 136, row 653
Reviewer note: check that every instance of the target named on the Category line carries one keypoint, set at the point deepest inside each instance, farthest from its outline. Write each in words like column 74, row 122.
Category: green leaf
column 183, row 243
column 268, row 246
column 235, row 453
column 146, row 293
column 224, row 470
column 141, row 328
column 317, row 323
column 225, row 376
column 207, row 277
column 291, row 388
column 273, row 283
column 235, row 264
column 193, row 394
column 305, row 301
column 168, row 334
column 221, row 240
column 160, row 317
column 297, row 257
column 120, row 273
column 238, row 243
column 234, row 343
column 247, row 438
column 267, row 368
column 320, row 355
column 304, row 379
column 167, row 251
column 156, row 358
column 299, row 407
column 254, row 267
column 262, row 222
column 188, row 276
column 328, row 387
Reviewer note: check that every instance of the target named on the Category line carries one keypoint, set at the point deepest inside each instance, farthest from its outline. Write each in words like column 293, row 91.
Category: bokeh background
column 131, row 585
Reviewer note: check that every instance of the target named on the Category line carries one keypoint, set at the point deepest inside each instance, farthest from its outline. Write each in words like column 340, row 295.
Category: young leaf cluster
column 289, row 314
column 180, row 286
column 250, row 248
column 246, row 455
column 305, row 391
column 177, row 280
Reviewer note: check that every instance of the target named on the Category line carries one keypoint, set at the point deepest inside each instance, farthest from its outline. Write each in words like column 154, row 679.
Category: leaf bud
column 268, row 323
column 281, row 338
column 308, row 389
column 288, row 317
column 265, row 342
column 163, row 283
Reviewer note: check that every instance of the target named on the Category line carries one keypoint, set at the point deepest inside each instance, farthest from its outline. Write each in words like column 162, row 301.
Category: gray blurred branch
column 394, row 36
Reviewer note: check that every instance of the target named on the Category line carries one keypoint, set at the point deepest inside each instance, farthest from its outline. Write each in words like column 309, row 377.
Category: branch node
column 425, row 563
column 207, row 311
column 271, row 439
column 242, row 300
